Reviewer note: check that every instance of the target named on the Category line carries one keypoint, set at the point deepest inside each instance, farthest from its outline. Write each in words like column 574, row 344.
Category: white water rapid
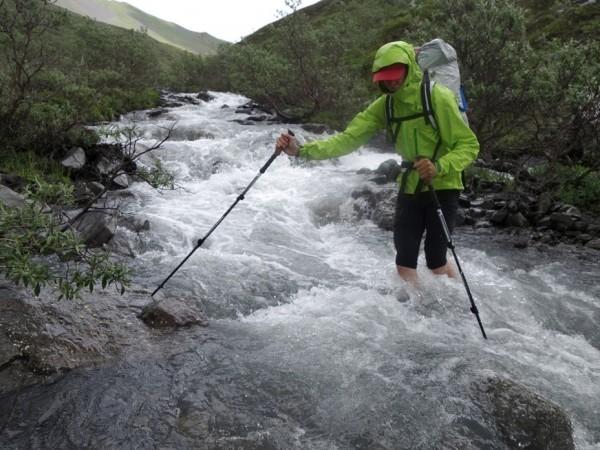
column 306, row 303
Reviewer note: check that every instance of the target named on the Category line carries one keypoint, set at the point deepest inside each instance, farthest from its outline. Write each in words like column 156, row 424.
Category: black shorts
column 416, row 214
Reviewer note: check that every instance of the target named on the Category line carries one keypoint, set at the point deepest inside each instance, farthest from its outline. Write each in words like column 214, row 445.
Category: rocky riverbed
column 290, row 330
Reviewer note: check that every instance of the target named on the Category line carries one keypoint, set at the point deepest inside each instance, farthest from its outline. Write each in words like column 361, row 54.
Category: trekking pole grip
column 275, row 154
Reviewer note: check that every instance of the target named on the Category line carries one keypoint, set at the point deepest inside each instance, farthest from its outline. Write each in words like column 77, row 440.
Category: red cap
column 390, row 73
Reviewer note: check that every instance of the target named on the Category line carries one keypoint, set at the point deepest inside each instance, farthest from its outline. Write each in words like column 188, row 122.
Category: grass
column 33, row 167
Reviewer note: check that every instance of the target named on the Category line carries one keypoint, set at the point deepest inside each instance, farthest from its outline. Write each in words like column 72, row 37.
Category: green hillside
column 60, row 70
column 530, row 69
column 123, row 15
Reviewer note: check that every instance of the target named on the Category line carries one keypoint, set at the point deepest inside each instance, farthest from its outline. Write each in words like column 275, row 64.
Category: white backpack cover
column 438, row 59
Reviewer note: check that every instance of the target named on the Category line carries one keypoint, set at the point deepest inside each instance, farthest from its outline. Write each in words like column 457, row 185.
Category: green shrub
column 36, row 251
column 579, row 186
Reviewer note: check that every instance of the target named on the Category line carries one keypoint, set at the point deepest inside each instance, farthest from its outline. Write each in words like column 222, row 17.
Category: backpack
column 439, row 63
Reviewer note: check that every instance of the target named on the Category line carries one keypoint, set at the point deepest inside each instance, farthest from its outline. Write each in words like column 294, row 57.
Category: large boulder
column 522, row 418
column 96, row 228
column 376, row 203
column 40, row 336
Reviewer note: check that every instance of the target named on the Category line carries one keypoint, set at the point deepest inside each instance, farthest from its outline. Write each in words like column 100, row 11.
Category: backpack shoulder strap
column 426, row 88
column 393, row 123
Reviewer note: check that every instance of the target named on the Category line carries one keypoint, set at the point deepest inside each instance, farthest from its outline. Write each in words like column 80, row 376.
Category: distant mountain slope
column 124, row 15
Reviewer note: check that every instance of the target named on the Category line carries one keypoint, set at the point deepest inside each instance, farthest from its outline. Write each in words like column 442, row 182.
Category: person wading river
column 435, row 156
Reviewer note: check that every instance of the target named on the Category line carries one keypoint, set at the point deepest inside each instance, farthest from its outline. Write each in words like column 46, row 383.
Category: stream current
column 313, row 342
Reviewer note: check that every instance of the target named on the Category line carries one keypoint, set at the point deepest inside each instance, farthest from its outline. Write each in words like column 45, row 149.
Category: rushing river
column 313, row 342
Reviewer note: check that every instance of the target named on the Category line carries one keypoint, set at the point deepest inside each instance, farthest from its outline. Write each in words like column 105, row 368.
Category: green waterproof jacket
column 459, row 146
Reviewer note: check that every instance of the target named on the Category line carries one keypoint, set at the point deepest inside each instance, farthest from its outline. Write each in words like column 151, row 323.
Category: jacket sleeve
column 456, row 136
column 358, row 132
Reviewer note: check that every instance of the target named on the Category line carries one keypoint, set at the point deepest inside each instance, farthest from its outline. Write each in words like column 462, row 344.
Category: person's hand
column 288, row 144
column 426, row 169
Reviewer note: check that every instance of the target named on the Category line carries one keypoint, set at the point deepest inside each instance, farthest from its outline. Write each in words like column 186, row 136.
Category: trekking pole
column 440, row 214
column 240, row 197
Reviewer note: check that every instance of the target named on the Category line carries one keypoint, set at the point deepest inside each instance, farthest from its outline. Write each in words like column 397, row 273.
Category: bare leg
column 408, row 274
column 447, row 269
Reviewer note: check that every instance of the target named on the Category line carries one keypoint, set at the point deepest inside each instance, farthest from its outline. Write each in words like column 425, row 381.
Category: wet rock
column 593, row 229
column 383, row 215
column 75, row 159
column 258, row 118
column 121, row 182
column 173, row 313
column 96, row 187
column 372, row 194
column 375, row 203
column 477, row 213
column 41, row 336
column 120, row 245
column 104, row 166
column 521, row 243
column 594, row 243
column 253, row 108
column 205, row 96
column 461, row 218
column 499, row 217
column 483, row 224
column 171, row 104
column 134, row 223
column 190, row 133
column 561, row 221
column 189, row 99
column 516, row 219
column 96, row 228
column 390, row 169
column 571, row 211
column 243, row 122
column 584, row 238
column 82, row 193
column 521, row 417
column 544, row 203
column 10, row 198
column 157, row 112
column 380, row 179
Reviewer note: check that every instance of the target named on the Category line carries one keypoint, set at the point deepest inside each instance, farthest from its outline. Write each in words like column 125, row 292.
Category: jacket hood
column 399, row 52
